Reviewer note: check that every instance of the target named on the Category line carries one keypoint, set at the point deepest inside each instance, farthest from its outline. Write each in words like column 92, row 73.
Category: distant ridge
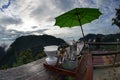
column 32, row 42
column 103, row 38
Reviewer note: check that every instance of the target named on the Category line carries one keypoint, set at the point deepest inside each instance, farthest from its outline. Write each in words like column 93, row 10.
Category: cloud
column 5, row 4
column 10, row 35
column 10, row 20
column 44, row 11
column 16, row 33
column 61, row 6
column 2, row 29
column 64, row 4
column 65, row 33
column 48, row 10
column 34, row 27
column 103, row 24
column 5, row 37
column 37, row 17
column 40, row 12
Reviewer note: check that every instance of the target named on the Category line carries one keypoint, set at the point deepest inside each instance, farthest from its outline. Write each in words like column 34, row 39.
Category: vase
column 51, row 52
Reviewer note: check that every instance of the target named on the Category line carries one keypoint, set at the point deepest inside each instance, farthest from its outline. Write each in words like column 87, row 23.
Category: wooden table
column 84, row 70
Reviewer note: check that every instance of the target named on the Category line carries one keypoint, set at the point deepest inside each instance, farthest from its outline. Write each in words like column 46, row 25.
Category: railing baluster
column 114, row 60
column 105, row 52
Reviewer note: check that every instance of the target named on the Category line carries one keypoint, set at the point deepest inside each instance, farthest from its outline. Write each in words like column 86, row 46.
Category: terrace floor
column 36, row 71
column 105, row 73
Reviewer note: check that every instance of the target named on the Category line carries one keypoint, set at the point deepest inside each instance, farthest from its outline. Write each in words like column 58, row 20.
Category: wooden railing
column 103, row 52
column 89, row 72
column 103, row 43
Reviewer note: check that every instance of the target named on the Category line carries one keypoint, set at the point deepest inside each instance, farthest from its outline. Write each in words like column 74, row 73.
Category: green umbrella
column 77, row 17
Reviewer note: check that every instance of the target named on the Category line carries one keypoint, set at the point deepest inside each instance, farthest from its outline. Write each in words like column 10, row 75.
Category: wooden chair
column 84, row 70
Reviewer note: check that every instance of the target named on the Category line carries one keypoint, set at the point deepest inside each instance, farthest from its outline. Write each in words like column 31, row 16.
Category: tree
column 41, row 54
column 24, row 57
column 116, row 20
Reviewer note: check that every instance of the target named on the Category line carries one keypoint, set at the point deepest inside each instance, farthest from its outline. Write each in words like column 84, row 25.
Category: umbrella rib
column 64, row 22
column 71, row 24
column 86, row 15
column 88, row 19
column 61, row 19
column 94, row 15
column 67, row 17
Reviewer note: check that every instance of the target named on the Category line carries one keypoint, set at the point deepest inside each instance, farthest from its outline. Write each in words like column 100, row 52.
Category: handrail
column 103, row 43
column 89, row 73
column 104, row 53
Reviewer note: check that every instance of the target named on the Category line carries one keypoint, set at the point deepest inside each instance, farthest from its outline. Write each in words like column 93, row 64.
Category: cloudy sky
column 26, row 17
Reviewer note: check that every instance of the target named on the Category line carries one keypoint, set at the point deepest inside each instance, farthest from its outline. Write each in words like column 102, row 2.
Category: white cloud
column 66, row 33
column 9, row 20
column 37, row 17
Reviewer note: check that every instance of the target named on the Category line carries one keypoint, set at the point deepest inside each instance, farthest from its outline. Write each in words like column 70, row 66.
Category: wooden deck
column 41, row 73
column 105, row 57
column 36, row 71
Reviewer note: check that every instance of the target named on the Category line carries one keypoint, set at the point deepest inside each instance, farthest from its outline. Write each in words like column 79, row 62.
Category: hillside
column 103, row 38
column 28, row 48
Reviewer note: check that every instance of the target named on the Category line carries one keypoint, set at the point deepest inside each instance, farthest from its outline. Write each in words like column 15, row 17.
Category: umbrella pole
column 80, row 25
column 82, row 33
column 81, row 28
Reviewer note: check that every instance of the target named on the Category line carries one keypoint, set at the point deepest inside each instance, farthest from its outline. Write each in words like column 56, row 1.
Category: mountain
column 2, row 52
column 32, row 43
column 103, row 38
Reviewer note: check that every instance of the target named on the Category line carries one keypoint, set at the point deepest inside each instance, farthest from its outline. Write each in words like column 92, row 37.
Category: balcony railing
column 109, row 49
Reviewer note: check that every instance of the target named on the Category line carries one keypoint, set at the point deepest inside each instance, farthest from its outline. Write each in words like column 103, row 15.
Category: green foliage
column 110, row 47
column 26, row 49
column 33, row 42
column 103, row 38
column 40, row 55
column 116, row 20
column 4, row 67
column 24, row 57
column 68, row 78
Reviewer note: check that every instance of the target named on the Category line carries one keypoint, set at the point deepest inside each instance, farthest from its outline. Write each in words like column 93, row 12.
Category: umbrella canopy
column 77, row 17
